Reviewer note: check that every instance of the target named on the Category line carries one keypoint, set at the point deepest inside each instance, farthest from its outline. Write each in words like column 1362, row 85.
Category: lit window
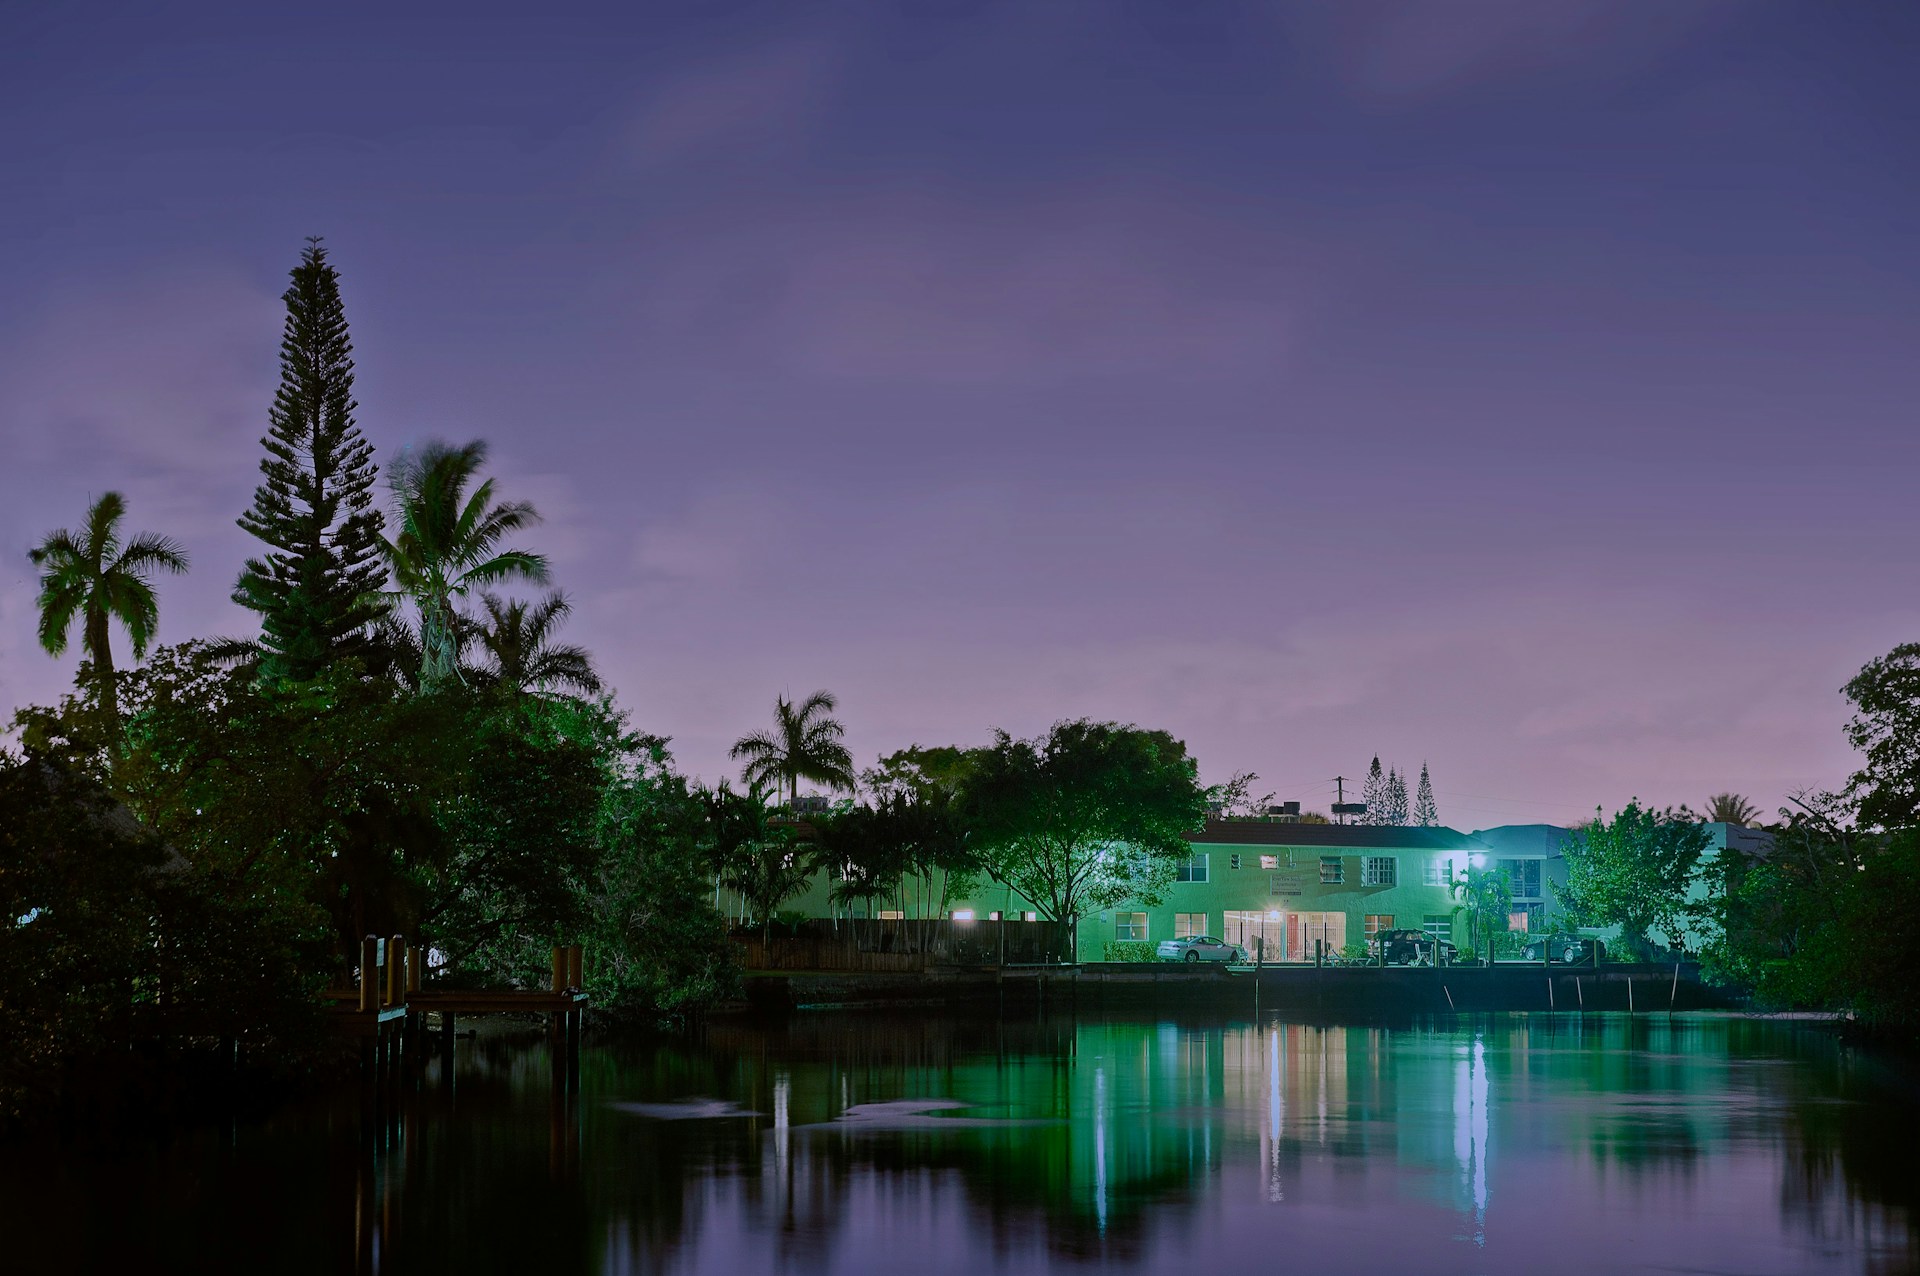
column 1129, row 926
column 1377, row 870
column 1031, row 917
column 1517, row 921
column 890, row 915
column 1269, row 861
column 1439, row 925
column 994, row 916
column 962, row 914
column 1187, row 924
column 1194, row 870
column 1434, row 873
column 1332, row 871
column 1377, row 922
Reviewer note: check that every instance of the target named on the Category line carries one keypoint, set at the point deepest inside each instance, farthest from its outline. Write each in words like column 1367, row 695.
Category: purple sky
column 1526, row 386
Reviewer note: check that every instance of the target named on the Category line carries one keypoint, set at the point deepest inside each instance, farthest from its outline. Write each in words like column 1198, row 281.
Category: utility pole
column 1340, row 795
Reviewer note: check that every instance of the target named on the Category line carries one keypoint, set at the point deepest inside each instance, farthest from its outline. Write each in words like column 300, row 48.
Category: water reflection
column 847, row 1144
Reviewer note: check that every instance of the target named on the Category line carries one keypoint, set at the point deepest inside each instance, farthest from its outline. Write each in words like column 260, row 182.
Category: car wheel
column 1570, row 955
column 1192, row 956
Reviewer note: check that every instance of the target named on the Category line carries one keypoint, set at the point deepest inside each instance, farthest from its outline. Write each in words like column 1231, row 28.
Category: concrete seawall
column 1214, row 989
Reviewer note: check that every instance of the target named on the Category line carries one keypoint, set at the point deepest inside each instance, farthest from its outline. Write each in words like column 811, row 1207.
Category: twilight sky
column 1525, row 386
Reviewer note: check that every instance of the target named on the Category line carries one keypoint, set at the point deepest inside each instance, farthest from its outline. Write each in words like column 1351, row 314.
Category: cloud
column 1414, row 50
column 770, row 95
column 953, row 288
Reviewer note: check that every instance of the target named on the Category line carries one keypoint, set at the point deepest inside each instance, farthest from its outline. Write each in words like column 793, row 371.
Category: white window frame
column 1123, row 923
column 1373, row 874
column 1333, row 870
column 1192, row 870
column 1187, row 925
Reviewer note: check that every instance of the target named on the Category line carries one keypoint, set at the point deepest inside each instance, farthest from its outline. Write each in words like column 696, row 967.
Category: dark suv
column 1412, row 948
column 1568, row 950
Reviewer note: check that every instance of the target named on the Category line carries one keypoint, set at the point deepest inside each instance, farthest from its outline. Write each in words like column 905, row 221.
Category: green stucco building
column 1275, row 887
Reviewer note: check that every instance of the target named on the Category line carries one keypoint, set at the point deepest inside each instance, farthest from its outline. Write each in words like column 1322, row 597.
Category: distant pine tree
column 1425, row 813
column 1374, row 794
column 314, row 507
column 1396, row 812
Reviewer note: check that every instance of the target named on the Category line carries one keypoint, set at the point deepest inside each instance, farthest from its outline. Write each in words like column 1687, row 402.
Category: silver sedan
column 1198, row 948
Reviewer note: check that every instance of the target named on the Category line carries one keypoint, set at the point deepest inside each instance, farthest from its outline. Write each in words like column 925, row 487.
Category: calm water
column 845, row 1144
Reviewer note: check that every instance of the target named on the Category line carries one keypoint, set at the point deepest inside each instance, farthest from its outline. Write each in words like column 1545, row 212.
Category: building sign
column 1288, row 881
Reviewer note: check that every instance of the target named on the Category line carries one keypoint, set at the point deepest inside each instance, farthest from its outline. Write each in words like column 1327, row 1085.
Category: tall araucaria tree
column 450, row 542
column 93, row 575
column 316, row 588
column 1396, row 812
column 1374, row 794
column 1425, row 814
column 805, row 744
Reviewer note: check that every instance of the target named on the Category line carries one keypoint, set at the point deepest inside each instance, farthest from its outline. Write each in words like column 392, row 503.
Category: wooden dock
column 387, row 1014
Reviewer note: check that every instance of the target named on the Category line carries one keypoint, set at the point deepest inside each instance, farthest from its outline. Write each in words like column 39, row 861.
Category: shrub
column 1127, row 950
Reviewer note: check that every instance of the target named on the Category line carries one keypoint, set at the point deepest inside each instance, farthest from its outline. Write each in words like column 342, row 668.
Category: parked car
column 1199, row 948
column 1568, row 950
column 1412, row 948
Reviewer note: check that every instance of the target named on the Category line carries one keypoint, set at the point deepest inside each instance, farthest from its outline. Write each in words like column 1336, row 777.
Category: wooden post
column 576, row 967
column 1549, row 992
column 559, row 968
column 416, row 960
column 396, row 969
column 1580, row 992
column 369, row 963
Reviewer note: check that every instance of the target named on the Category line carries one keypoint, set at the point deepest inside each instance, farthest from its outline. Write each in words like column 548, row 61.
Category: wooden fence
column 899, row 945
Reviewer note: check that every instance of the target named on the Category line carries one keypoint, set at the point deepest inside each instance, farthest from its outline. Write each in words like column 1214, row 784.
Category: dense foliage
column 1641, row 871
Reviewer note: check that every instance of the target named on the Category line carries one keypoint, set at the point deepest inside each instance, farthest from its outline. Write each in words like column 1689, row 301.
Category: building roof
column 1382, row 836
column 1528, row 839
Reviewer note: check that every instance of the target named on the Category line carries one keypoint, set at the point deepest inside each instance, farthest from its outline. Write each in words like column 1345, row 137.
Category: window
column 1523, row 877
column 1031, row 917
column 1527, row 917
column 1263, row 935
column 1129, row 925
column 994, row 916
column 1269, row 861
column 1434, row 873
column 1377, row 922
column 1233, row 861
column 1378, row 870
column 962, row 914
column 1332, row 871
column 890, row 915
column 1439, row 925
column 1194, row 870
column 1186, row 924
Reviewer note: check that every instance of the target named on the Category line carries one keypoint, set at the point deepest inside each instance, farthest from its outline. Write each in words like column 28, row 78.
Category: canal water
column 910, row 1146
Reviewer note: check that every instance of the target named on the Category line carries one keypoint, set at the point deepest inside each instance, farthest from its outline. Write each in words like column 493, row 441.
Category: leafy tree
column 805, row 744
column 331, row 790
column 1425, row 813
column 1885, row 727
column 518, row 639
column 94, row 576
column 1374, row 794
column 1396, row 800
column 1084, row 818
column 315, row 588
column 449, row 542
column 1635, row 871
column 1235, row 800
column 658, row 948
column 1730, row 808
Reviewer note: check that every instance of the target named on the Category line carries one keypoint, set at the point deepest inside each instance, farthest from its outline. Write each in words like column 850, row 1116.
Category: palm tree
column 1731, row 808
column 803, row 745
column 518, row 637
column 92, row 575
column 450, row 542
